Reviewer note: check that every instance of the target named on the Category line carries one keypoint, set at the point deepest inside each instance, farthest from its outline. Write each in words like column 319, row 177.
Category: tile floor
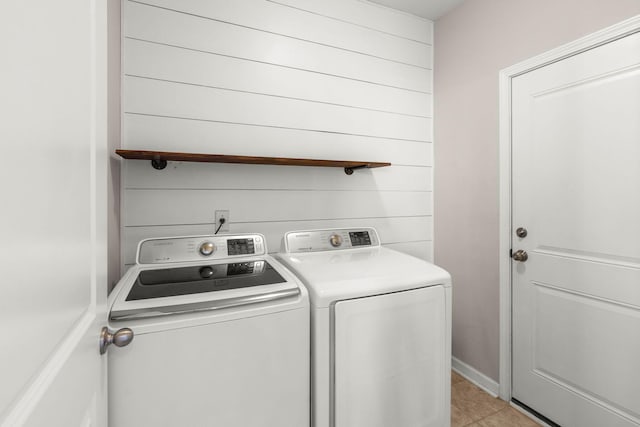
column 471, row 406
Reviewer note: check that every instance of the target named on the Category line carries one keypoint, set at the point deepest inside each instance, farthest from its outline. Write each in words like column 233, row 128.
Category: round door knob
column 207, row 248
column 335, row 240
column 520, row 255
column 120, row 338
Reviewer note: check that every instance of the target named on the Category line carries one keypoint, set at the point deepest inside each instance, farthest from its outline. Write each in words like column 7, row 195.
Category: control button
column 206, row 272
column 207, row 248
column 335, row 240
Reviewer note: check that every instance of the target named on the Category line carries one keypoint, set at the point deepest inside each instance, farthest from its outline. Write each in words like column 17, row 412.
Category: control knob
column 335, row 240
column 207, row 248
column 206, row 272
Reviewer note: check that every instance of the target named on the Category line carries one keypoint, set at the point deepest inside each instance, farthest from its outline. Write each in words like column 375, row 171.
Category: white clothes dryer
column 221, row 337
column 381, row 330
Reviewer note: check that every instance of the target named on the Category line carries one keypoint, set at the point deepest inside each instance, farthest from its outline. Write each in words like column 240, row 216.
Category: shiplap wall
column 330, row 79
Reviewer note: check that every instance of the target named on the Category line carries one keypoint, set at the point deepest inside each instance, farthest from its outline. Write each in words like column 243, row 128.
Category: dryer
column 381, row 330
column 221, row 337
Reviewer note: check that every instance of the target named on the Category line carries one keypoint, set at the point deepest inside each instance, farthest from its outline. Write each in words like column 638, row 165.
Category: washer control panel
column 330, row 239
column 197, row 248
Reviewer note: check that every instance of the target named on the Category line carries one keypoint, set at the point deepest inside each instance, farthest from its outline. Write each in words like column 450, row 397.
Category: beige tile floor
column 471, row 406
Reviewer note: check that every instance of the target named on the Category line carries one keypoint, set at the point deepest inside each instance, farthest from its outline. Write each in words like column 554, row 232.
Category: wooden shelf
column 159, row 160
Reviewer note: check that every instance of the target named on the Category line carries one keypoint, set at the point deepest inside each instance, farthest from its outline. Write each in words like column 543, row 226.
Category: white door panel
column 575, row 332
column 576, row 189
column 584, row 158
column 53, row 216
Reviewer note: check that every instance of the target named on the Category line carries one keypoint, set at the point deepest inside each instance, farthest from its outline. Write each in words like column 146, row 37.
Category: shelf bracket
column 349, row 170
column 158, row 163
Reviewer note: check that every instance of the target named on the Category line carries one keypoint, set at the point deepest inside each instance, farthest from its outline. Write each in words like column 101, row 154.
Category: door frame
column 609, row 34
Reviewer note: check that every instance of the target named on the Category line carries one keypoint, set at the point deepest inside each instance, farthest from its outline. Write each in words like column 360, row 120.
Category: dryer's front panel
column 390, row 361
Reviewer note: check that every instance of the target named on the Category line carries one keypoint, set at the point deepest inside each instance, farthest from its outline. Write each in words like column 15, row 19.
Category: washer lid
column 179, row 288
column 336, row 275
column 196, row 279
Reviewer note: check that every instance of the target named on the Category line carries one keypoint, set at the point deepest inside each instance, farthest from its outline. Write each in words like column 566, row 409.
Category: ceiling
column 430, row 9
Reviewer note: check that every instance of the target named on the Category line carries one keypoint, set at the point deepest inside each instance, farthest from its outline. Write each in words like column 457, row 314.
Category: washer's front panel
column 250, row 372
column 390, row 360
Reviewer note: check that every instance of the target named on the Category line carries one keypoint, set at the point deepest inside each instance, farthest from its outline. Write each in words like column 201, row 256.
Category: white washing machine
column 381, row 330
column 221, row 337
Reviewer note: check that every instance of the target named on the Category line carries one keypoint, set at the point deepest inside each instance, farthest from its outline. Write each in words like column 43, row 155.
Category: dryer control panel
column 197, row 248
column 330, row 239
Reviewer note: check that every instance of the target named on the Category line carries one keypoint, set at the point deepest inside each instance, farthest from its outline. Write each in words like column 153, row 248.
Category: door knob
column 120, row 338
column 520, row 255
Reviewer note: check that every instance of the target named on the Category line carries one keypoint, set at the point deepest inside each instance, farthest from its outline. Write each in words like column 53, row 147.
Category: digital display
column 359, row 238
column 240, row 246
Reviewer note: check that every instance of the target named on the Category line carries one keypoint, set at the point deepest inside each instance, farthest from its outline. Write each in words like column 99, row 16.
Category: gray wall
column 342, row 80
column 473, row 43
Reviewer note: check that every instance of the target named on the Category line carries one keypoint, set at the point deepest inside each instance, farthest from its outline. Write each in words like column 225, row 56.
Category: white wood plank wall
column 331, row 79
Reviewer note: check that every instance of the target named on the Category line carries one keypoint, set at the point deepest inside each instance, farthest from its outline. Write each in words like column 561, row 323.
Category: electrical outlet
column 224, row 227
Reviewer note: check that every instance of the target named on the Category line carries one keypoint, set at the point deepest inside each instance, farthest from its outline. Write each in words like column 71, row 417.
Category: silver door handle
column 520, row 255
column 120, row 338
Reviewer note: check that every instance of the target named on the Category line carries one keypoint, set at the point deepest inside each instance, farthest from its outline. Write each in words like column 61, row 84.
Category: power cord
column 222, row 221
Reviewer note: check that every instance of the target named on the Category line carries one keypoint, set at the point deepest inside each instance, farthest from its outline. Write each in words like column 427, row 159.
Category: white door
column 53, row 212
column 576, row 190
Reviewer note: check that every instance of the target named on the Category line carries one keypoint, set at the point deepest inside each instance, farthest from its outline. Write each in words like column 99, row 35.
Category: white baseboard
column 476, row 377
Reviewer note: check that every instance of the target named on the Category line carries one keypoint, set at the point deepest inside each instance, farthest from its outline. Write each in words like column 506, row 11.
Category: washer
column 221, row 337
column 381, row 330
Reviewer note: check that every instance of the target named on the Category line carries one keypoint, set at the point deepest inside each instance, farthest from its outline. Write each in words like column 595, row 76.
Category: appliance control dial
column 206, row 272
column 207, row 248
column 335, row 240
